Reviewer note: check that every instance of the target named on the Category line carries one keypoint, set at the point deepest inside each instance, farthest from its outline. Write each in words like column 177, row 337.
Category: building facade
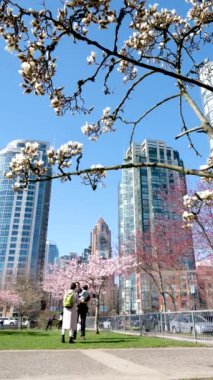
column 205, row 285
column 23, row 221
column 51, row 254
column 100, row 243
column 140, row 206
column 100, row 240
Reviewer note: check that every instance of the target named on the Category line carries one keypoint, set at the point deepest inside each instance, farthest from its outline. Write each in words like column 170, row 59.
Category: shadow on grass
column 105, row 341
column 25, row 333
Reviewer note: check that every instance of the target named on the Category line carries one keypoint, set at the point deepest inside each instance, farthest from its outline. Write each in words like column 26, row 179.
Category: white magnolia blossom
column 25, row 67
column 188, row 216
column 9, row 175
column 99, row 173
column 205, row 195
column 91, row 58
column 64, row 154
column 91, row 130
column 57, row 100
column 31, row 148
column 11, row 41
column 97, row 166
column 17, row 186
column 189, row 201
column 105, row 125
column 107, row 120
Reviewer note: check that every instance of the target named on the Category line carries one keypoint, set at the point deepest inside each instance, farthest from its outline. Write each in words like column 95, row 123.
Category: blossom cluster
column 28, row 163
column 201, row 12
column 36, row 72
column 150, row 26
column 62, row 156
column 57, row 100
column 105, row 125
column 24, row 164
column 153, row 30
column 95, row 12
column 208, row 167
column 193, row 204
column 127, row 68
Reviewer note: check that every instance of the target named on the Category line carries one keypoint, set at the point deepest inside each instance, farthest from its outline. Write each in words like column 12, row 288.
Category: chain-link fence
column 195, row 325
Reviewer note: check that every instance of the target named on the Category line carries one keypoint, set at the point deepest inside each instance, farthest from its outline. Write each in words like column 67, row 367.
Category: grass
column 50, row 340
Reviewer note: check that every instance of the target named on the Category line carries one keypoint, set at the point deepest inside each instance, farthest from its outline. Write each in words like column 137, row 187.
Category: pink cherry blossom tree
column 96, row 273
column 198, row 216
column 159, row 255
column 24, row 295
column 166, row 248
column 9, row 298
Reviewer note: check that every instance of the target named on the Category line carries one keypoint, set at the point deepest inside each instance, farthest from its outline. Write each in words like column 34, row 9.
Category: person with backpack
column 70, row 313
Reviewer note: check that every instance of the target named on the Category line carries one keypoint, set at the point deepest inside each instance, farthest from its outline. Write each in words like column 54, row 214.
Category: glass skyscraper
column 140, row 206
column 52, row 253
column 23, row 221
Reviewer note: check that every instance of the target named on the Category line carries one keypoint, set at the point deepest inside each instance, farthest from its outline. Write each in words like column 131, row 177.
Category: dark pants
column 82, row 313
column 83, row 323
column 49, row 325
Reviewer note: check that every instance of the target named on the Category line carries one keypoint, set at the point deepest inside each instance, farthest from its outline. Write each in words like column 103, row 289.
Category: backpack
column 69, row 300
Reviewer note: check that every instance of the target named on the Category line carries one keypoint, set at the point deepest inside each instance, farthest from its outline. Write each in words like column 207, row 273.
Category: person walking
column 70, row 313
column 84, row 298
column 50, row 322
column 78, row 291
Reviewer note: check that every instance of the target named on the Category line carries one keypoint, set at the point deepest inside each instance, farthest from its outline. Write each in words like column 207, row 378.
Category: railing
column 195, row 325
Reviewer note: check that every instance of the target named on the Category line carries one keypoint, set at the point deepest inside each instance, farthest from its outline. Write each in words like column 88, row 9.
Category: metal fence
column 194, row 325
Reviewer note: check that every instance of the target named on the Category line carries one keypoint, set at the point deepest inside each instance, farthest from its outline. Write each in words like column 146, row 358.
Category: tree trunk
column 97, row 307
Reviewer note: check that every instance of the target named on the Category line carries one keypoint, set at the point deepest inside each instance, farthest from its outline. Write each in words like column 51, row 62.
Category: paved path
column 122, row 364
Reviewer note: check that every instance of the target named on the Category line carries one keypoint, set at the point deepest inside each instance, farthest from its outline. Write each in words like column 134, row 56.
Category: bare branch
column 196, row 129
column 149, row 111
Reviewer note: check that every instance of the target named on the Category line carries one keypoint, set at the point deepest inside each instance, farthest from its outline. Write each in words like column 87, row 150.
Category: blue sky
column 75, row 208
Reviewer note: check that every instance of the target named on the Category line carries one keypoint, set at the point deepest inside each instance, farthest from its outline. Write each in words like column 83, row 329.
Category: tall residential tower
column 23, row 221
column 52, row 253
column 140, row 206
column 100, row 240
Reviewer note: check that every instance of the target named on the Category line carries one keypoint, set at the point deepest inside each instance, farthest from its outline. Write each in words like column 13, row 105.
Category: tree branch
column 180, row 169
column 140, row 64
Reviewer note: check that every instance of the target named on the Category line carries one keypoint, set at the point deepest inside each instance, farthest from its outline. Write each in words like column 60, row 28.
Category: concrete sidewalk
column 126, row 364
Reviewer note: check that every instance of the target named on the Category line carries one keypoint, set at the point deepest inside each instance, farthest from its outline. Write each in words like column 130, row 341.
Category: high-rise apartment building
column 23, row 221
column 86, row 254
column 140, row 206
column 206, row 76
column 52, row 253
column 101, row 240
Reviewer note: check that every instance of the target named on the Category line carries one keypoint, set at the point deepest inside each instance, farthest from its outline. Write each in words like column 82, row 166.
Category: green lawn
column 41, row 339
